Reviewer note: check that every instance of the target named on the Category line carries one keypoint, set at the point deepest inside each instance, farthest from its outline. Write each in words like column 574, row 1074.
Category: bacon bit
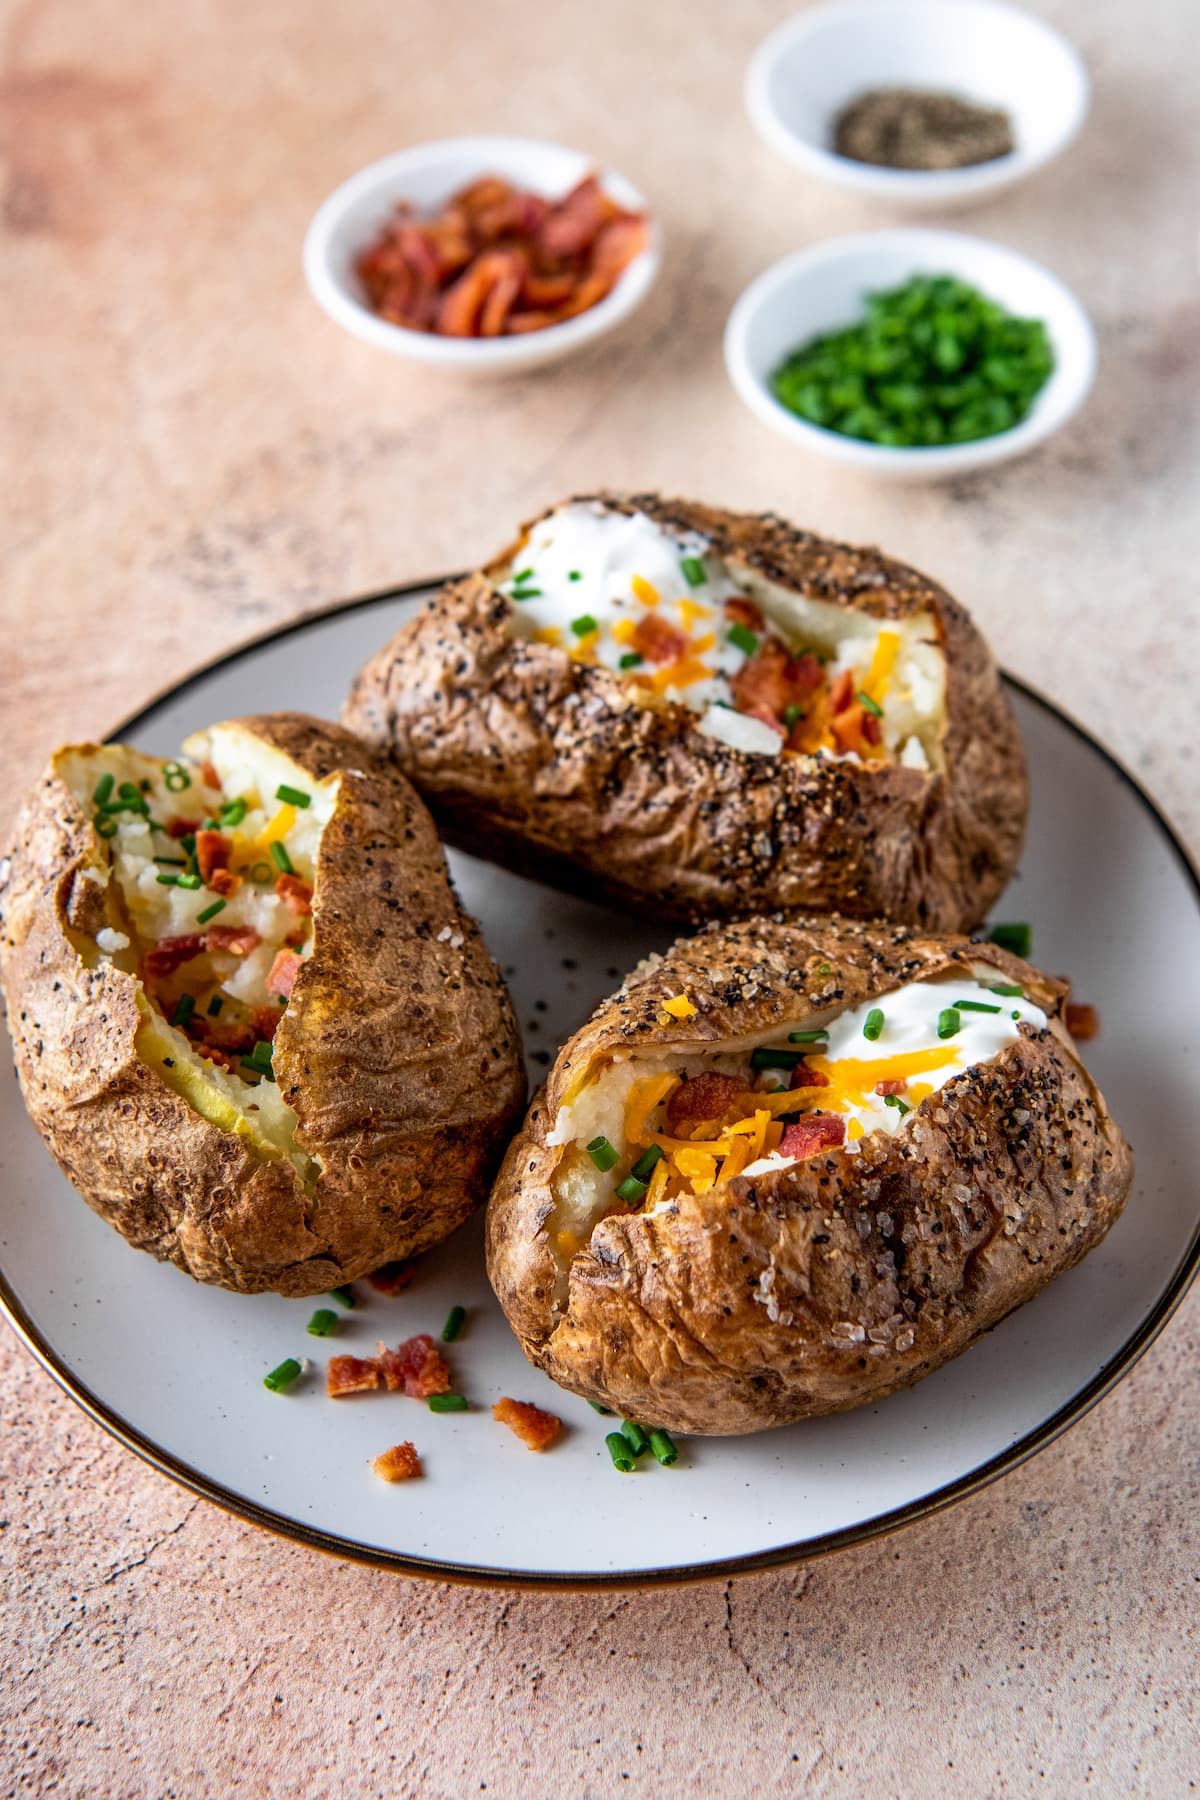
column 772, row 680
column 843, row 691
column 221, row 1040
column 706, row 1096
column 534, row 1427
column 213, row 851
column 266, row 1022
column 417, row 1366
column 656, row 640
column 352, row 1375
column 871, row 729
column 295, row 894
column 744, row 612
column 180, row 828
column 847, row 727
column 400, row 1463
column 1083, row 1022
column 806, row 673
column 891, row 1087
column 393, row 1278
column 281, row 977
column 819, row 1131
column 236, row 940
column 805, row 1077
column 169, row 954
column 224, row 882
column 209, row 776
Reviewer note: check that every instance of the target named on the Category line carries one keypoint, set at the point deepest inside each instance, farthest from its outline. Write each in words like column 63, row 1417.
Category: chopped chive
column 210, row 824
column 602, row 1153
column 323, row 1323
column 693, row 571
column 233, row 812
column 265, row 1069
column 283, row 1376
column 743, row 638
column 596, row 1407
column 260, row 872
column 584, row 625
column 176, row 777
column 104, row 826
column 1017, row 938
column 824, row 968
column 281, row 859
column 948, row 1022
column 210, row 912
column 775, row 1057
column 631, row 660
column 622, row 1455
column 808, row 1037
column 574, row 574
column 169, row 880
column 873, row 1024
column 526, row 594
column 447, row 1403
column 172, row 862
column 632, row 1191
column 127, row 791
column 1016, row 1015
column 184, row 1010
column 1009, row 989
column 663, row 1446
column 902, row 1106
column 635, row 1437
column 456, row 1318
column 188, row 842
column 103, row 788
column 292, row 796
column 976, row 1006
column 215, row 1005
column 522, row 575
column 190, row 881
column 646, row 1163
column 869, row 705
column 791, row 714
column 344, row 1297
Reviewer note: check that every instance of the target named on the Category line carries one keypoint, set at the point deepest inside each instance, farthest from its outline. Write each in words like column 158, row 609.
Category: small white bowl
column 801, row 76
column 824, row 289
column 428, row 174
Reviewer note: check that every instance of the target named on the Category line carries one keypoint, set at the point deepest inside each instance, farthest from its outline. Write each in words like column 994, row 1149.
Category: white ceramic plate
column 175, row 1370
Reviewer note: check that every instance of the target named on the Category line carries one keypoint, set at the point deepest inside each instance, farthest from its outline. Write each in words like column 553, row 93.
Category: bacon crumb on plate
column 417, row 1366
column 393, row 1278
column 400, row 1463
column 352, row 1375
column 534, row 1427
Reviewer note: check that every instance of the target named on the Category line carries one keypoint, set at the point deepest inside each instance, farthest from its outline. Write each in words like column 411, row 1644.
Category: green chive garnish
column 456, row 1318
column 104, row 826
column 632, row 1191
column 602, row 1153
column 1017, row 938
column 210, row 912
column 172, row 862
column 215, row 1005
column 662, row 1445
column 948, row 1022
column 261, row 872
column 775, row 1058
column 583, row 625
column 292, row 796
column 807, row 1037
column 323, row 1322
column 447, row 1403
column 169, row 880
column 976, row 1006
column 184, row 1010
column 233, row 812
column 620, row 1452
column 521, row 576
column 1009, row 989
column 596, row 1407
column 526, row 594
column 281, row 859
column 895, row 1100
column 743, row 638
column 645, row 1165
column 189, row 881
column 344, row 1297
column 574, row 574
column 103, row 789
column 283, row 1376
column 824, row 968
column 635, row 1437
column 873, row 1024
column 693, row 571
column 791, row 714
column 176, row 777
column 869, row 705
column 631, row 660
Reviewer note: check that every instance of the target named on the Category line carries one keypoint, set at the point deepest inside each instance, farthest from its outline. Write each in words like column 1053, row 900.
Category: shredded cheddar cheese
column 679, row 1007
column 649, row 596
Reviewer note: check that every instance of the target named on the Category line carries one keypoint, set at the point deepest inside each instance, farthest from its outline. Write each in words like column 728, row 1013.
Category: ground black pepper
column 908, row 128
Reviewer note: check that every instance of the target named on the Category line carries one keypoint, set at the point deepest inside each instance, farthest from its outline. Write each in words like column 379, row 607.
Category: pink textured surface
column 192, row 452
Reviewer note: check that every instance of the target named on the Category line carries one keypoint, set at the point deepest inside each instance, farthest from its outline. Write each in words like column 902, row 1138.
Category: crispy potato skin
column 548, row 767
column 398, row 1053
column 839, row 1280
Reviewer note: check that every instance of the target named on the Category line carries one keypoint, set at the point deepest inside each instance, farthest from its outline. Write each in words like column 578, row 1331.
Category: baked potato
column 251, row 1021
column 791, row 1167
column 706, row 714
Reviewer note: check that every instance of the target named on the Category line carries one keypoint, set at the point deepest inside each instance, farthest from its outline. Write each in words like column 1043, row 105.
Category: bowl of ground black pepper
column 920, row 103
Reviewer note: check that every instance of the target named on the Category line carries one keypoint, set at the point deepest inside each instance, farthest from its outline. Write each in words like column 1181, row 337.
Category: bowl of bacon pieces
column 482, row 254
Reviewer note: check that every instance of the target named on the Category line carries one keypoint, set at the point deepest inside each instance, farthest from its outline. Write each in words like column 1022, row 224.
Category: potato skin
column 839, row 1280
column 547, row 766
column 398, row 1053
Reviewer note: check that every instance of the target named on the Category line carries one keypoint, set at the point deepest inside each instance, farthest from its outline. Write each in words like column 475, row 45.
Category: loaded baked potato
column 251, row 1021
column 706, row 714
column 790, row 1168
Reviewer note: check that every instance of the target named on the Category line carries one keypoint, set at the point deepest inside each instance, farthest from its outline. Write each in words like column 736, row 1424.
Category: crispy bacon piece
column 817, row 1131
column 266, row 1023
column 213, row 851
column 773, row 679
column 616, row 245
column 842, row 693
column 891, row 1087
column 804, row 1077
column 224, row 882
column 295, row 894
column 462, row 308
column 1083, row 1022
column 209, row 776
column 847, row 728
column 417, row 1366
column 534, row 1427
column 400, row 1463
column 744, row 612
column 657, row 640
column 235, row 940
column 181, row 828
column 170, row 953
column 574, row 224
column 393, row 1278
column 231, row 1040
column 352, row 1375
column 281, row 977
column 870, row 728
column 706, row 1096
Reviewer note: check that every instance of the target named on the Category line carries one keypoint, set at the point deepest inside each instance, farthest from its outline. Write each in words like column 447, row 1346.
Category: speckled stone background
column 191, row 452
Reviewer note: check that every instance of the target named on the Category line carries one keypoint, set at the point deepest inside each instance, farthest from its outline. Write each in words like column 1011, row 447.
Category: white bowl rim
column 900, row 184
column 1060, row 398
column 332, row 295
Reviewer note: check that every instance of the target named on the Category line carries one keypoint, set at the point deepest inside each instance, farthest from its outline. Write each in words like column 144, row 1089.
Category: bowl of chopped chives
column 911, row 353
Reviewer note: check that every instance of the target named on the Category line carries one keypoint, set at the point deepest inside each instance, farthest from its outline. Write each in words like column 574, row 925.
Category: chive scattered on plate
column 447, row 1403
column 635, row 1437
column 344, row 1297
column 283, row 1375
column 323, row 1322
column 456, row 1318
column 663, row 1447
column 622, row 1455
